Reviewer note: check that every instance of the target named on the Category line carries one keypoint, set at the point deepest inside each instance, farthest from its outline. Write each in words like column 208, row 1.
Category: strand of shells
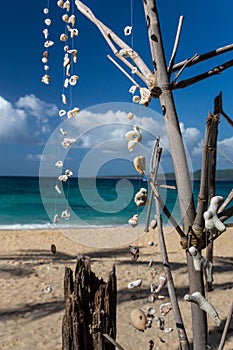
column 47, row 44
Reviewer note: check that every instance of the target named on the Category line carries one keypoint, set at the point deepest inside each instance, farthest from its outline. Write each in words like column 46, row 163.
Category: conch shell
column 140, row 164
column 138, row 319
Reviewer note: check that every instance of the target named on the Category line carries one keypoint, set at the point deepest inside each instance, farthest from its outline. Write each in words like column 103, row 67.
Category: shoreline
column 31, row 318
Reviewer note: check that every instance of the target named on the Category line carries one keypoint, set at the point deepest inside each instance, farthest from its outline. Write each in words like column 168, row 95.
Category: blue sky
column 29, row 109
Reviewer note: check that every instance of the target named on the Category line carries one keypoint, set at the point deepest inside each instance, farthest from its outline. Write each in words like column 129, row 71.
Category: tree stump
column 90, row 308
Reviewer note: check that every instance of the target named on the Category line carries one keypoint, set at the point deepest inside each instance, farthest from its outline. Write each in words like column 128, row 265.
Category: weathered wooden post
column 90, row 309
column 179, row 160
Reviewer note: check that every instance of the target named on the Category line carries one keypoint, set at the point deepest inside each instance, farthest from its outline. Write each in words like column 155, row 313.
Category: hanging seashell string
column 47, row 44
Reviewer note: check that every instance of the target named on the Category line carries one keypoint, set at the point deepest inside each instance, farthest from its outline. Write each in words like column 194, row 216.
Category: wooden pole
column 180, row 163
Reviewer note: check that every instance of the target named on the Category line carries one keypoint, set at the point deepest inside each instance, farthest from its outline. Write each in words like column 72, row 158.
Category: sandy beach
column 30, row 318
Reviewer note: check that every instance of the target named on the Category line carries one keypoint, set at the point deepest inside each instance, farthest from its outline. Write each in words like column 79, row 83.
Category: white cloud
column 34, row 157
column 224, row 151
column 26, row 121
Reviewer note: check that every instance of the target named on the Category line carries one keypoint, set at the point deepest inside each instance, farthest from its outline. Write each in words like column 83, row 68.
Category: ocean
column 32, row 203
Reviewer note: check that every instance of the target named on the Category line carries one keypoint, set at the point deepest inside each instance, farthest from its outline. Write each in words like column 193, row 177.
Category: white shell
column 135, row 284
column 134, row 70
column 133, row 135
column 56, row 217
column 153, row 224
column 136, row 99
column 133, row 221
column 60, row 3
column 151, row 311
column 65, row 18
column 59, row 164
column 127, row 30
column 69, row 173
column 130, row 115
column 138, row 319
column 46, row 67
column 140, row 164
column 66, row 60
column 132, row 145
column 63, row 132
column 72, row 20
column 64, row 100
column 66, row 48
column 65, row 215
column 133, row 89
column 67, row 5
column 46, row 10
column 66, row 83
column 48, row 43
column 63, row 178
column 73, row 80
column 150, row 243
column 47, row 21
column 141, row 197
column 63, row 37
column 73, row 32
column 62, row 113
column 145, row 96
column 46, row 33
column 57, row 188
column 47, row 289
column 165, row 308
column 44, row 60
column 45, row 79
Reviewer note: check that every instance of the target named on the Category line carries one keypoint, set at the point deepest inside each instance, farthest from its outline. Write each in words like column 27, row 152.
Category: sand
column 31, row 319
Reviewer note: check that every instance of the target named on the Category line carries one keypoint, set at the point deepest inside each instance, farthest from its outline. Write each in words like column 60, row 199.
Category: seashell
column 65, row 18
column 138, row 319
column 141, row 197
column 134, row 70
column 64, row 100
column 73, row 32
column 48, row 43
column 57, row 188
column 66, row 48
column 168, row 330
column 151, row 311
column 69, row 173
column 46, row 33
column 63, row 178
column 160, row 323
column 165, row 308
column 47, row 21
column 133, row 135
column 45, row 79
column 63, row 132
column 46, row 67
column 73, row 80
column 44, row 60
column 62, row 113
column 140, row 164
column 145, row 96
column 132, row 145
column 136, row 99
column 128, row 30
column 71, row 20
column 68, row 70
column 53, row 248
column 162, row 284
column 161, row 297
column 151, row 298
column 153, row 224
column 60, row 3
column 152, row 288
column 65, row 214
column 56, row 218
column 67, row 5
column 126, row 52
column 66, row 143
column 66, row 83
column 133, row 89
column 66, row 60
column 150, row 263
column 46, row 10
column 135, row 284
column 130, row 115
column 150, row 243
column 47, row 288
column 134, row 253
column 72, row 51
column 59, row 164
column 63, row 37
column 133, row 221
column 72, row 113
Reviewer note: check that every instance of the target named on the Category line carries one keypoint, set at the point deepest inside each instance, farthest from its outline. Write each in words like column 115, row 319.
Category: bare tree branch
column 197, row 78
column 203, row 57
column 177, row 39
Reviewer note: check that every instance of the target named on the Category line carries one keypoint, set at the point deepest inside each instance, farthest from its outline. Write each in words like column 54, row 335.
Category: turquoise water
column 30, row 202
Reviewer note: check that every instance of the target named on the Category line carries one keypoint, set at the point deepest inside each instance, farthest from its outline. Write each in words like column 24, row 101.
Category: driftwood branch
column 226, row 328
column 112, row 38
column 226, row 202
column 123, row 71
column 176, row 43
column 202, row 57
column 183, row 339
column 216, row 70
